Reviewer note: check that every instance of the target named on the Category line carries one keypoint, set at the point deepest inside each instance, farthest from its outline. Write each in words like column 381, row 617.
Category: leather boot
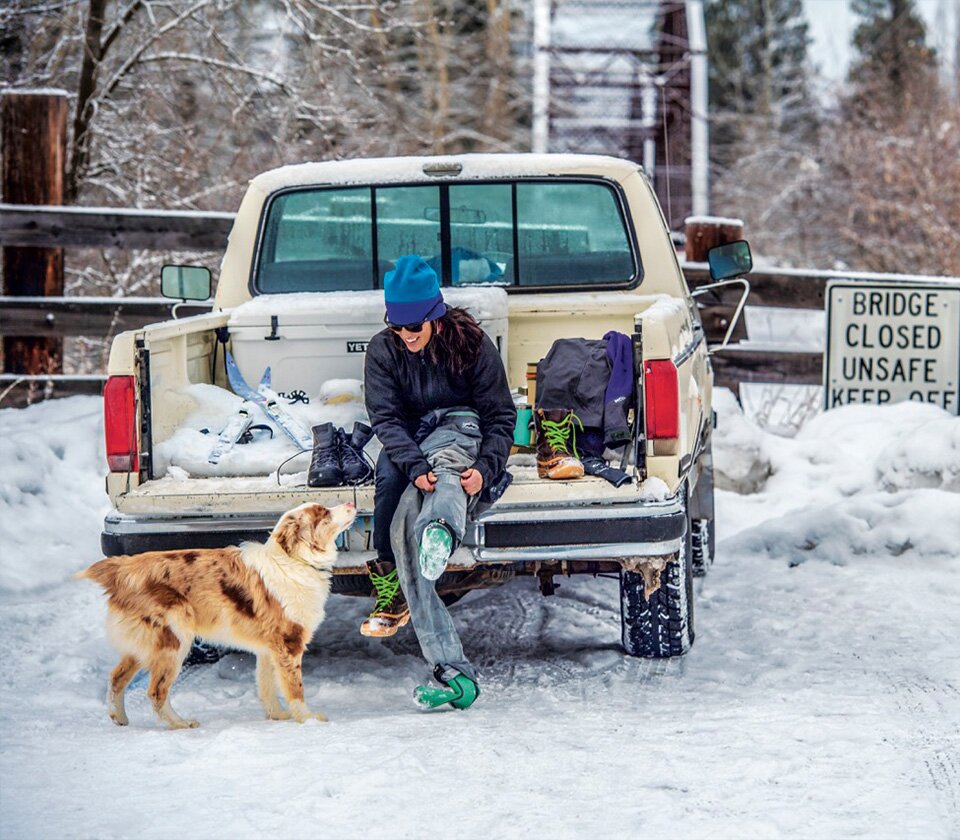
column 356, row 470
column 556, row 444
column 390, row 612
column 325, row 469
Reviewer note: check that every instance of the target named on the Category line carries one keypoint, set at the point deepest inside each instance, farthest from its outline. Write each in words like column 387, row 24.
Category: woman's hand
column 425, row 482
column 471, row 481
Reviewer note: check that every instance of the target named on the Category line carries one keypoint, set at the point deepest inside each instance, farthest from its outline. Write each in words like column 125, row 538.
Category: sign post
column 891, row 342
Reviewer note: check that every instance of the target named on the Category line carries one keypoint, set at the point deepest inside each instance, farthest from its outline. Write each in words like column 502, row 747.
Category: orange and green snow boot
column 390, row 612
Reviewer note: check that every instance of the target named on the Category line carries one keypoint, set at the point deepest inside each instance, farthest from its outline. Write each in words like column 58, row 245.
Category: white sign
column 890, row 342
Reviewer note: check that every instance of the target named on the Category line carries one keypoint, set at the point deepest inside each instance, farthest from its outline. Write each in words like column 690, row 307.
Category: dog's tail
column 103, row 572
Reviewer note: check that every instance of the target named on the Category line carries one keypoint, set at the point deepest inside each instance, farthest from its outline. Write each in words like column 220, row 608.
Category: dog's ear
column 287, row 534
column 322, row 529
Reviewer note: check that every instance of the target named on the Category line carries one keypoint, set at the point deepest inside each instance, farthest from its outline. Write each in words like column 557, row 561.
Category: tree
column 178, row 103
column 758, row 62
column 894, row 59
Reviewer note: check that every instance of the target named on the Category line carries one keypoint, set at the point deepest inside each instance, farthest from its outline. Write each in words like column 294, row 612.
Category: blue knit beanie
column 412, row 292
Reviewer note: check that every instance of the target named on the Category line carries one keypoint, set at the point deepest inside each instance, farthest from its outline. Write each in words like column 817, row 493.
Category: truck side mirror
column 731, row 260
column 185, row 282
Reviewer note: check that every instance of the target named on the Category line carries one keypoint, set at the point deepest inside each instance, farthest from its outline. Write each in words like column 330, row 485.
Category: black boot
column 325, row 469
column 356, row 470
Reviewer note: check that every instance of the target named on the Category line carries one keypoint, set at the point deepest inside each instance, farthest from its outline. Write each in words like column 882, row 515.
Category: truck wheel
column 662, row 626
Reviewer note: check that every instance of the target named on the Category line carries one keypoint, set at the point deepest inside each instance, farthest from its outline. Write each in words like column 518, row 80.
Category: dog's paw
column 119, row 719
column 303, row 717
column 280, row 714
column 183, row 724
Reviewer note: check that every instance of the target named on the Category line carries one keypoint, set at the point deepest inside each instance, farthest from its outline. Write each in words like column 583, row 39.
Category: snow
column 713, row 220
column 98, row 212
column 820, row 699
column 410, row 169
column 187, row 450
column 359, row 307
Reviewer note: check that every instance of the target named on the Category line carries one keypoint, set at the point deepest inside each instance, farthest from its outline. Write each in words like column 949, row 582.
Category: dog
column 265, row 598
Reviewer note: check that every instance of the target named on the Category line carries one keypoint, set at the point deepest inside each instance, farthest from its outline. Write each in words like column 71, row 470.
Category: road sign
column 890, row 342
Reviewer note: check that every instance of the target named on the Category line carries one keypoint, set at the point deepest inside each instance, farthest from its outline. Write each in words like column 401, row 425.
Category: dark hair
column 456, row 340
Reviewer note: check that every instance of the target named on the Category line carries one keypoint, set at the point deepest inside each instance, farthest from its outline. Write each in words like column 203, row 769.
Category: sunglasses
column 414, row 328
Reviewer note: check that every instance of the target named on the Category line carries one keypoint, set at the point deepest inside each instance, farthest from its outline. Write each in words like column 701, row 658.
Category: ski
column 231, row 433
column 265, row 397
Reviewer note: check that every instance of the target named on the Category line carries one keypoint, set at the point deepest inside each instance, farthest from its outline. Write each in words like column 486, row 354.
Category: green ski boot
column 436, row 545
column 459, row 691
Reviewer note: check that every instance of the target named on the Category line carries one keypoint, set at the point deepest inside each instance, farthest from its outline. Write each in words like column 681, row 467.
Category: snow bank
column 740, row 462
column 881, row 481
column 52, row 500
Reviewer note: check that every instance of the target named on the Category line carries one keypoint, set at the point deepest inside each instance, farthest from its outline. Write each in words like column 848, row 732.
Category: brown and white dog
column 265, row 598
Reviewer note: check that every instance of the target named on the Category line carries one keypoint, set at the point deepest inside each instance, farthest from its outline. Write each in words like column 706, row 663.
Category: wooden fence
column 23, row 226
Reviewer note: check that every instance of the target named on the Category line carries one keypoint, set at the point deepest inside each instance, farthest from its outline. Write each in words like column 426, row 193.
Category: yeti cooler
column 307, row 338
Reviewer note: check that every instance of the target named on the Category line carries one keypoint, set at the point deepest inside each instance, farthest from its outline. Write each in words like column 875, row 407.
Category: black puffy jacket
column 401, row 387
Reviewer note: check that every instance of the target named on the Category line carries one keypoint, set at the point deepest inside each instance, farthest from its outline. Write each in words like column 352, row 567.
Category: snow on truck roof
column 412, row 169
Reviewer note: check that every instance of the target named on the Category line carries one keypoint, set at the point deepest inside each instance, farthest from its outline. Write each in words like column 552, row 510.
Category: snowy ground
column 821, row 698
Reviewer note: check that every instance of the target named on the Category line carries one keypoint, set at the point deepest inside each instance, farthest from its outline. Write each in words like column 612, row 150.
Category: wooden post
column 33, row 142
column 705, row 232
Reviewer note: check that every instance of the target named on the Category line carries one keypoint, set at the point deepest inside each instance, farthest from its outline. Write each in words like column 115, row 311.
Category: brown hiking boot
column 391, row 612
column 557, row 444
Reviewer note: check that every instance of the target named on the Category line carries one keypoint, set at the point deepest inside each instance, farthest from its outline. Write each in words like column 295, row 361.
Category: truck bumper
column 513, row 534
column 609, row 532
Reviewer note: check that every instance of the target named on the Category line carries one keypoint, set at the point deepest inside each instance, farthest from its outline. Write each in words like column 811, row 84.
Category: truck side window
column 318, row 241
column 571, row 234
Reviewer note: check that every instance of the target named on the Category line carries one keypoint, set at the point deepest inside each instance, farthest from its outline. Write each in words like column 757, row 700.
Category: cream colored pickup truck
column 540, row 247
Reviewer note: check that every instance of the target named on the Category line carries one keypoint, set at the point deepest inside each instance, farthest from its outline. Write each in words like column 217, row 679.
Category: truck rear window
column 514, row 234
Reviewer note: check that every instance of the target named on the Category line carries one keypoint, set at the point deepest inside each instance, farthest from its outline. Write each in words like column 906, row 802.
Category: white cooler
column 308, row 338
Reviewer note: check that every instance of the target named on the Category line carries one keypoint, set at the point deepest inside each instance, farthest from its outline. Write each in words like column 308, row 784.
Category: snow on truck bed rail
column 410, row 169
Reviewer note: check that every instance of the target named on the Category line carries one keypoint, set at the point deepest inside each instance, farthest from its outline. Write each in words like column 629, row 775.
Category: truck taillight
column 120, row 424
column 661, row 399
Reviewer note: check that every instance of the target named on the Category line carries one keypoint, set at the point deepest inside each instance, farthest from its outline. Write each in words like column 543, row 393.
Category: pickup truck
column 541, row 247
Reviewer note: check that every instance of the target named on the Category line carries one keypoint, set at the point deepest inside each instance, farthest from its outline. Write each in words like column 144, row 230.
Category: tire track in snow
column 931, row 709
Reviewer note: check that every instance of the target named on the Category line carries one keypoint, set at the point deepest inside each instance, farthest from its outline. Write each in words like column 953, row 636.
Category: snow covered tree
column 894, row 59
column 758, row 72
column 763, row 118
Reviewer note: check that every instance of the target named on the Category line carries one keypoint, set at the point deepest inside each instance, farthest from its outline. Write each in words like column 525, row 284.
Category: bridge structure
column 627, row 78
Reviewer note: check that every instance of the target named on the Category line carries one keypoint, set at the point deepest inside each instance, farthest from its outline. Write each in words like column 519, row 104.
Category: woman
column 430, row 357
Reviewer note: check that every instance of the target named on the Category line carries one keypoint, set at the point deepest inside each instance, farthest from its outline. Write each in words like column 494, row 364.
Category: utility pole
column 540, row 141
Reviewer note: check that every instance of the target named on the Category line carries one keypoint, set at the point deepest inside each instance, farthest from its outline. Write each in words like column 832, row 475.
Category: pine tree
column 894, row 59
column 758, row 71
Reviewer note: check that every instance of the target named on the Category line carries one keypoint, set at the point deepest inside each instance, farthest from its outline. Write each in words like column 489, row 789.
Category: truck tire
column 662, row 626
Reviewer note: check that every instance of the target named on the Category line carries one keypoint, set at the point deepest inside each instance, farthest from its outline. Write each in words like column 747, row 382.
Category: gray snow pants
column 451, row 448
